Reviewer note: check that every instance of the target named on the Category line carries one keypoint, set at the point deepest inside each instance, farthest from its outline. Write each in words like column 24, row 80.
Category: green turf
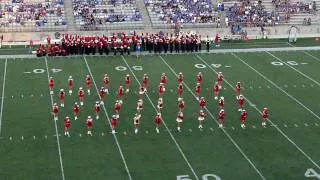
column 162, row 156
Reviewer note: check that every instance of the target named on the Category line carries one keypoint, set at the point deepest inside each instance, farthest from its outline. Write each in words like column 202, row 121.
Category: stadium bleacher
column 75, row 15
column 32, row 15
column 106, row 14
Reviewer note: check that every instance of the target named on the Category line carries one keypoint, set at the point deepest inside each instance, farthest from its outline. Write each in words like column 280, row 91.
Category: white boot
column 62, row 104
column 70, row 92
column 51, row 92
column 88, row 91
column 157, row 129
column 97, row 117
column 136, row 131
column 76, row 118
column 81, row 103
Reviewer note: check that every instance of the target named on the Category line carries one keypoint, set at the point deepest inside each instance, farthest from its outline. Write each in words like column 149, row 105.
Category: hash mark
column 22, row 138
column 316, row 124
column 45, row 136
column 233, row 128
column 260, row 87
column 311, row 85
column 294, row 85
column 285, row 125
column 34, row 137
column 190, row 130
column 306, row 124
column 27, row 72
column 251, row 87
column 268, row 87
column 80, row 135
column 227, row 66
column 285, row 86
column 211, row 129
column 10, row 138
column 303, row 85
column 41, row 95
column 304, row 63
column 296, row 125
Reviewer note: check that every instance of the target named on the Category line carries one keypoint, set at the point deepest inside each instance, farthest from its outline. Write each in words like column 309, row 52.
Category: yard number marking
column 311, row 173
column 40, row 71
column 292, row 63
column 123, row 68
column 203, row 177
column 202, row 66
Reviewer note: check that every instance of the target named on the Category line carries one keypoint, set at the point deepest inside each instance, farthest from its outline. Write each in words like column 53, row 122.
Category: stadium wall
column 24, row 38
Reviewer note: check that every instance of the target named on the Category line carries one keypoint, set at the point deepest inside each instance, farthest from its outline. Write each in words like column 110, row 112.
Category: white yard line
column 109, row 122
column 2, row 96
column 307, row 53
column 164, row 123
column 224, row 131
column 56, row 126
column 306, row 76
column 274, row 125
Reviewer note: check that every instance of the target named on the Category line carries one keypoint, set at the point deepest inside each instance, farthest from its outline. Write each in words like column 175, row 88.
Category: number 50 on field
column 203, row 177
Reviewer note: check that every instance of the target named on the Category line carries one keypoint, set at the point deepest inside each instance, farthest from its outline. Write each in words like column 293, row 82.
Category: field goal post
column 293, row 33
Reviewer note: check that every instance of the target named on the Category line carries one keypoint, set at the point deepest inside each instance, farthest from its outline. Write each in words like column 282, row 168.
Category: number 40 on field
column 40, row 71
column 203, row 177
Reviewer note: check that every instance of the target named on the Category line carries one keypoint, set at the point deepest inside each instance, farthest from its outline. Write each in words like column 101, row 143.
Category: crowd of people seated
column 38, row 13
column 124, row 44
column 98, row 12
column 252, row 13
column 294, row 7
column 183, row 11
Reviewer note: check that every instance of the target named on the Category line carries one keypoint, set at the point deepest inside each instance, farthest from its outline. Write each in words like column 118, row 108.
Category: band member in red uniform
column 158, row 121
column 67, row 126
column 106, row 81
column 61, row 97
column 160, row 104
column 164, row 79
column 114, row 123
column 89, row 123
column 55, row 111
column 201, row 118
column 241, row 102
column 180, row 78
column 162, row 89
column 128, row 82
column 101, row 94
column 81, row 95
column 70, row 84
column 216, row 90
column 243, row 118
column 199, row 78
column 198, row 90
column 145, row 81
column 76, row 109
column 221, row 102
column 265, row 116
column 120, row 93
column 202, row 103
column 51, row 85
column 220, row 79
column 222, row 116
column 180, row 91
column 88, row 83
column 238, row 90
column 181, row 104
column 97, row 109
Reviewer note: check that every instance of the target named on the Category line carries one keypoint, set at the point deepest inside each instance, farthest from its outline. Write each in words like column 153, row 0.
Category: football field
column 33, row 145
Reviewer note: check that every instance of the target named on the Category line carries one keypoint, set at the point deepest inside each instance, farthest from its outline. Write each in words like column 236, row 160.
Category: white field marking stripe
column 56, row 127
column 275, row 85
column 106, row 113
column 306, row 76
column 307, row 53
column 164, row 123
column 215, row 120
column 2, row 96
column 281, row 132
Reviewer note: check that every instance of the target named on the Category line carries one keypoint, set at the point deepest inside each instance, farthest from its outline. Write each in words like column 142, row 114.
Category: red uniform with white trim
column 120, row 92
column 55, row 110
column 241, row 102
column 70, row 84
column 181, row 105
column 158, row 119
column 81, row 95
column 216, row 90
column 221, row 103
column 106, row 81
column 199, row 78
column 201, row 115
column 51, row 84
column 117, row 107
column 220, row 79
column 67, row 124
column 128, row 81
column 62, row 96
column 180, row 117
column 139, row 106
column 238, row 90
column 145, row 81
column 202, row 103
column 243, row 117
column 198, row 90
column 180, row 78
column 162, row 89
column 97, row 108
column 222, row 116
column 142, row 90
column 89, row 123
column 76, row 109
column 180, row 90
column 164, row 79
column 114, row 122
column 265, row 114
column 102, row 93
column 88, row 82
